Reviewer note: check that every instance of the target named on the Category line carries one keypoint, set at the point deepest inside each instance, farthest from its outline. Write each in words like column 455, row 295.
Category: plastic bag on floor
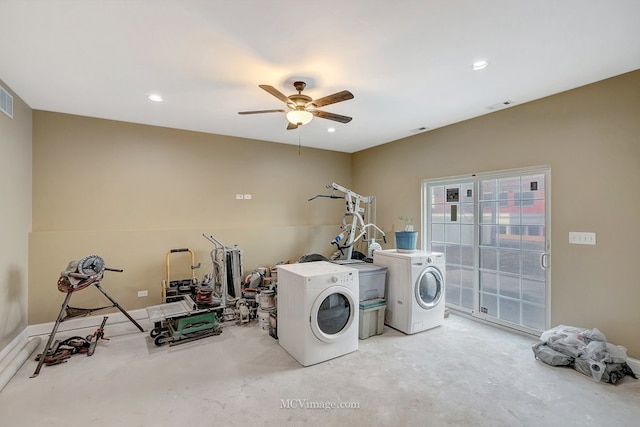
column 593, row 335
column 569, row 344
column 587, row 350
column 559, row 330
column 597, row 351
column 574, row 341
column 550, row 356
column 590, row 368
column 573, row 335
column 605, row 372
column 617, row 353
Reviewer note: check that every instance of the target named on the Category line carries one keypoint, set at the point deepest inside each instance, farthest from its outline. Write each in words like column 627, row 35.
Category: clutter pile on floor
column 79, row 275
column 62, row 350
column 585, row 350
column 194, row 309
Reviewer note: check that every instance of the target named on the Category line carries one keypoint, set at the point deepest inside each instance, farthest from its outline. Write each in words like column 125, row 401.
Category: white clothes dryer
column 317, row 310
column 415, row 289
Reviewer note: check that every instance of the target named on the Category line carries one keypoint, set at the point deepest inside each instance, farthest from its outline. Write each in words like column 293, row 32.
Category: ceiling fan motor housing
column 300, row 100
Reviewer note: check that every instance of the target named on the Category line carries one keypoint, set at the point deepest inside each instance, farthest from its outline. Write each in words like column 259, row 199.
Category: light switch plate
column 582, row 238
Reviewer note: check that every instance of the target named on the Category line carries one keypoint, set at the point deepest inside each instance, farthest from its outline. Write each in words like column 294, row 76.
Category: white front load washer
column 415, row 289
column 317, row 310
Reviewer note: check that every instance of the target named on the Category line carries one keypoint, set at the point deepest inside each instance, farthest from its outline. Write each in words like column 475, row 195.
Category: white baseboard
column 16, row 347
column 21, row 337
column 13, row 361
column 84, row 322
column 9, row 347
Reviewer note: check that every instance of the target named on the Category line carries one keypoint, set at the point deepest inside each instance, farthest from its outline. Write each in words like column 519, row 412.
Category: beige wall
column 590, row 138
column 15, row 218
column 131, row 192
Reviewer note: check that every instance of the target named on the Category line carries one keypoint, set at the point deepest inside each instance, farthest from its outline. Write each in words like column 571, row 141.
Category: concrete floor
column 463, row 373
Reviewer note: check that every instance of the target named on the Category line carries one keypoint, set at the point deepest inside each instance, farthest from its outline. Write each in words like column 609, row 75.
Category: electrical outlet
column 582, row 238
column 143, row 294
column 239, row 196
column 247, row 196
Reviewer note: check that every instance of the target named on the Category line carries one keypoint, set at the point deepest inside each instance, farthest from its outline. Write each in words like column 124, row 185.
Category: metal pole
column 52, row 336
column 115, row 304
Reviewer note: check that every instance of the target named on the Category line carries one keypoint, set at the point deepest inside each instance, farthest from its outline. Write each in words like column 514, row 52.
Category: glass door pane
column 495, row 242
column 512, row 281
column 451, row 224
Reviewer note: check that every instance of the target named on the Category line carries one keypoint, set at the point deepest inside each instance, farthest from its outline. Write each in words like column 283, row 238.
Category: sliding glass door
column 451, row 231
column 494, row 231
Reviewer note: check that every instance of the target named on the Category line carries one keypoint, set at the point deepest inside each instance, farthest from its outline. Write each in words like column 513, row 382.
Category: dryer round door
column 332, row 313
column 429, row 287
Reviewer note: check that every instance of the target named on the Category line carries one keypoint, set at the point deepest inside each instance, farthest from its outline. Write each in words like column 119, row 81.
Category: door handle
column 544, row 260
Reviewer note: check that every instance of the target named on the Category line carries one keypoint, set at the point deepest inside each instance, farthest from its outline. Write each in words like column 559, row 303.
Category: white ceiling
column 407, row 62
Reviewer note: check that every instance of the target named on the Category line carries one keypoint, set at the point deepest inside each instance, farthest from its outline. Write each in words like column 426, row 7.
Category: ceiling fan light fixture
column 299, row 117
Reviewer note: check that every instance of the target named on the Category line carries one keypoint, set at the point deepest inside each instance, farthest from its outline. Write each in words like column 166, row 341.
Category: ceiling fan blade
column 331, row 116
column 291, row 126
column 345, row 95
column 261, row 111
column 275, row 92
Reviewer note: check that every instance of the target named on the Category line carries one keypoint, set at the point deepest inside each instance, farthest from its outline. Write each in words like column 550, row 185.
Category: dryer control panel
column 344, row 278
column 321, row 273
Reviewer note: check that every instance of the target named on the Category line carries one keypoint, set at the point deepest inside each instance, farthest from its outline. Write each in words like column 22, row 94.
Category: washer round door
column 332, row 313
column 429, row 287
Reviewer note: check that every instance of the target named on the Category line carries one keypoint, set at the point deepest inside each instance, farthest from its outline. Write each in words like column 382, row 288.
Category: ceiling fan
column 301, row 108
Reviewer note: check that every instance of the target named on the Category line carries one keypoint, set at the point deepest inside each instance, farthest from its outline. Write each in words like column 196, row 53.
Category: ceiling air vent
column 420, row 129
column 500, row 105
column 6, row 102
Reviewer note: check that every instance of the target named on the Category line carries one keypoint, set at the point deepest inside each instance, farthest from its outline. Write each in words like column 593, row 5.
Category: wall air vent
column 6, row 102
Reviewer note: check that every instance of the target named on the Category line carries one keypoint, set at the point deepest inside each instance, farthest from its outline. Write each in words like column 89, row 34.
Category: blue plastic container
column 406, row 241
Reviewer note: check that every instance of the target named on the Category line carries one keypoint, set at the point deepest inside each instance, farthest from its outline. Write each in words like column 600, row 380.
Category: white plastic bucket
column 263, row 319
column 266, row 300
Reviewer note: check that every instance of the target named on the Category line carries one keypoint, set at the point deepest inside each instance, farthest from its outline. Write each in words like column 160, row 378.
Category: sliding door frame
column 426, row 239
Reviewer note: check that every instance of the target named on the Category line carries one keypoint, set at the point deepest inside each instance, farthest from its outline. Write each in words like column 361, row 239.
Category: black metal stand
column 61, row 318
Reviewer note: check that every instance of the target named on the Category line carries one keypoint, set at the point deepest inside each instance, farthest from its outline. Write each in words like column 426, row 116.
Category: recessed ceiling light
column 155, row 98
column 480, row 65
column 331, row 130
